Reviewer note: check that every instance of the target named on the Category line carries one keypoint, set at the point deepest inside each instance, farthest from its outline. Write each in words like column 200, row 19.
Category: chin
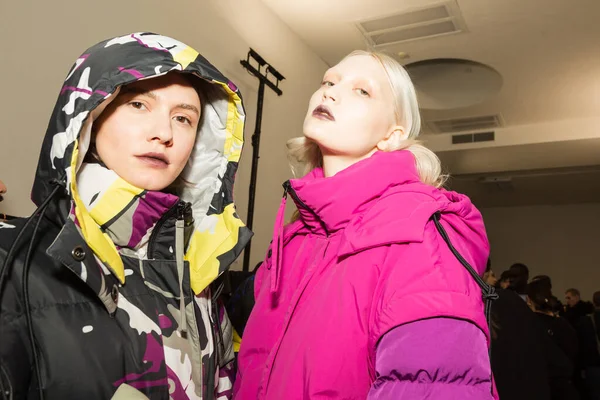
column 321, row 140
column 150, row 183
column 314, row 134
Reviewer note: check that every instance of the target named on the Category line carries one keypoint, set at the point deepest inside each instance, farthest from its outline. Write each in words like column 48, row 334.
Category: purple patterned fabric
column 226, row 379
column 153, row 358
column 439, row 358
column 152, row 206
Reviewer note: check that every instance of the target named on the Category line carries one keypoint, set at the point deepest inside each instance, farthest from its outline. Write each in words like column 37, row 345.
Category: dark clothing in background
column 581, row 309
column 589, row 353
column 561, row 350
column 588, row 335
column 238, row 296
column 519, row 360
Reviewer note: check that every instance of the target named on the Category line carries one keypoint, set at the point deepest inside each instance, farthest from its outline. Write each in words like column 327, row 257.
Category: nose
column 330, row 93
column 161, row 130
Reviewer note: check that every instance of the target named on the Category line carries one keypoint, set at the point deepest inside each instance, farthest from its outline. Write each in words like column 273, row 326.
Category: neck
column 334, row 163
column 545, row 312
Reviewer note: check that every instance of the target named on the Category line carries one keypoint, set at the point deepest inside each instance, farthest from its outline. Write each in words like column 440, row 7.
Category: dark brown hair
column 541, row 296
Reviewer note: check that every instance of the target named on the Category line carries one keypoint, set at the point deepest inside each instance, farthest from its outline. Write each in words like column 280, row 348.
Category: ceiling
column 546, row 52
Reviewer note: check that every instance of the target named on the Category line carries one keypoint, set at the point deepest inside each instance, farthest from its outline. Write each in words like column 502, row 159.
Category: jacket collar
column 71, row 249
column 327, row 205
column 376, row 202
column 381, row 201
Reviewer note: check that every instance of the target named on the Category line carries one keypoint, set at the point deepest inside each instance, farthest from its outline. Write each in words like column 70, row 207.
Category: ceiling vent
column 435, row 20
column 474, row 138
column 468, row 124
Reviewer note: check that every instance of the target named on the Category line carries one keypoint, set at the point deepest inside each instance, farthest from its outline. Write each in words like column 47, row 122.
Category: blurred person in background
column 576, row 308
column 489, row 276
column 588, row 332
column 520, row 277
column 558, row 307
column 562, row 349
column 505, row 280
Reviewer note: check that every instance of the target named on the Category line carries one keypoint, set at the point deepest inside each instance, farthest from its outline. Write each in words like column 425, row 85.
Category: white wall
column 560, row 241
column 283, row 116
column 40, row 40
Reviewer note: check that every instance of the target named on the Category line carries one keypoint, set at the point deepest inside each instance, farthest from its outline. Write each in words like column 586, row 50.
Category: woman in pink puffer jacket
column 361, row 297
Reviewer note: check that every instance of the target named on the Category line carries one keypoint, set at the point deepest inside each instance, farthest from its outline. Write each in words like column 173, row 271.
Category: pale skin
column 358, row 96
column 147, row 134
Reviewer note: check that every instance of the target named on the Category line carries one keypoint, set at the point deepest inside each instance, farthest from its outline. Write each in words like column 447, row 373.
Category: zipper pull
column 184, row 212
column 287, row 187
column 60, row 182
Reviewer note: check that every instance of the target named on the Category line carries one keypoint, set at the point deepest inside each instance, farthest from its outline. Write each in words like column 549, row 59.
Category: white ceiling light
column 447, row 83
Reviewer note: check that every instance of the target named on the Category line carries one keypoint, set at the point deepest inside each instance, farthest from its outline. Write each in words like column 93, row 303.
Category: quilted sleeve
column 438, row 358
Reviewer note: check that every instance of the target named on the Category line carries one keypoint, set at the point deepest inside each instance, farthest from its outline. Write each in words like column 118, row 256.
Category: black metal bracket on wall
column 263, row 80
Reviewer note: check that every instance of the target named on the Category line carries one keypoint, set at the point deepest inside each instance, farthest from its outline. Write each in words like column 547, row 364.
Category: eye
column 362, row 92
column 137, row 105
column 183, row 120
column 327, row 83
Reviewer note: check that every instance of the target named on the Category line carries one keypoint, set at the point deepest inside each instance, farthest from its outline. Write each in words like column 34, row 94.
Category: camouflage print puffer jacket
column 84, row 314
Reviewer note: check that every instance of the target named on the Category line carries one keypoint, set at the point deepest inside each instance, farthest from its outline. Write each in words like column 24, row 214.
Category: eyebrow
column 332, row 73
column 368, row 82
column 152, row 95
column 134, row 90
column 189, row 107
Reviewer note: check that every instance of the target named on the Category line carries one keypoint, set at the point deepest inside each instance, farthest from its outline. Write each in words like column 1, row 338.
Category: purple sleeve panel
column 439, row 358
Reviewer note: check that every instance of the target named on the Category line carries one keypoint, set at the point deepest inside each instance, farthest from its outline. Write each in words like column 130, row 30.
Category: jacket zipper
column 287, row 186
column 179, row 210
column 219, row 348
column 217, row 329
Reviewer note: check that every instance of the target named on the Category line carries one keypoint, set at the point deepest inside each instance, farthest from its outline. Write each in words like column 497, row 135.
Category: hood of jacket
column 94, row 80
column 380, row 201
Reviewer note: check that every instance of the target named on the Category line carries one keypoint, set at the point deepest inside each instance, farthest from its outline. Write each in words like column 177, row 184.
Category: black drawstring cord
column 489, row 292
column 11, row 252
column 25, row 282
column 4, row 273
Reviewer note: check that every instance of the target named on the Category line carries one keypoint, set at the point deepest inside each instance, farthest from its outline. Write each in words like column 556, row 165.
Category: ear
column 392, row 140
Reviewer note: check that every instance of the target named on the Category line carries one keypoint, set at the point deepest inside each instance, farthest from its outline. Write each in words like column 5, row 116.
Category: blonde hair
column 305, row 155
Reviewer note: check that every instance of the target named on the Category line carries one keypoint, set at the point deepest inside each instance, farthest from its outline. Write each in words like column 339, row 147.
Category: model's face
column 353, row 110
column 146, row 135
